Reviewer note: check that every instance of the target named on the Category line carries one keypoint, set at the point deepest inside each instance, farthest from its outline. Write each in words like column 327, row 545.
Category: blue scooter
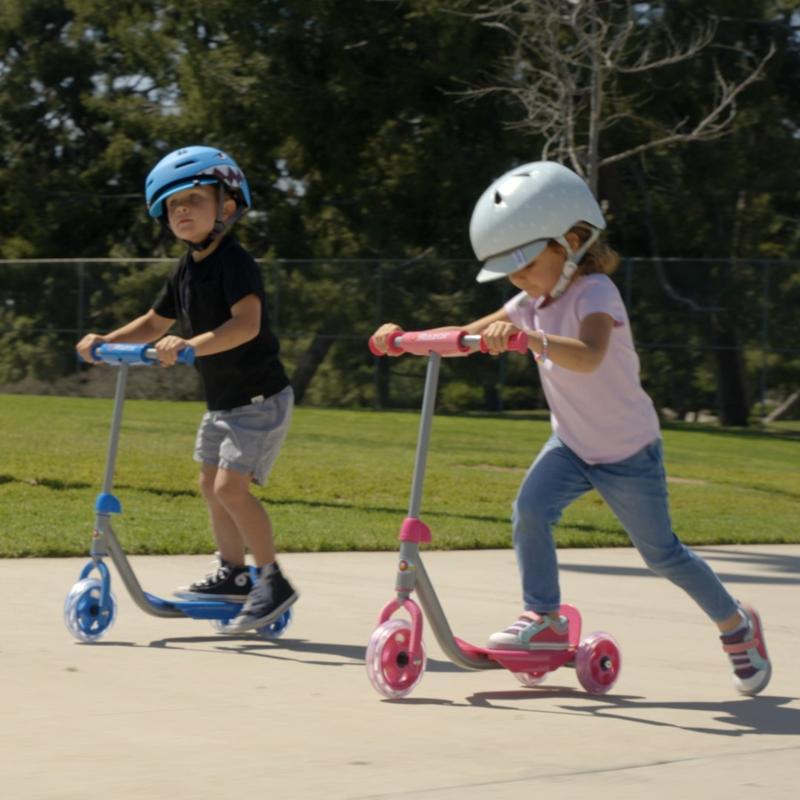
column 90, row 607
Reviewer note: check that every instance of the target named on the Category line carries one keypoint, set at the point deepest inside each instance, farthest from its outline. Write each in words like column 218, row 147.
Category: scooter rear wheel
column 273, row 630
column 87, row 618
column 530, row 678
column 389, row 665
column 597, row 662
column 276, row 628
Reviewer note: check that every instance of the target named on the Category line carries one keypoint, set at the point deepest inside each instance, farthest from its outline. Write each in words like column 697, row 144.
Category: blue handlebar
column 135, row 354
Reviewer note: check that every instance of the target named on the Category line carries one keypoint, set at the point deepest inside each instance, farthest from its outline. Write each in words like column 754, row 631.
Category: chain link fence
column 705, row 329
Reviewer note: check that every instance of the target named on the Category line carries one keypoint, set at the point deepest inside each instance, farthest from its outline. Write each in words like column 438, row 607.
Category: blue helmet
column 194, row 166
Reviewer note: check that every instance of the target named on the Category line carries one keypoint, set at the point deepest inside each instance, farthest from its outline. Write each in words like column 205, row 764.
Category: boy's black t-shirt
column 200, row 296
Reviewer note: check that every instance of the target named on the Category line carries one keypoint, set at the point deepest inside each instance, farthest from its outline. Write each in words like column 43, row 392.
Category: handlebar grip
column 186, row 356
column 518, row 342
column 93, row 352
column 92, row 355
column 391, row 346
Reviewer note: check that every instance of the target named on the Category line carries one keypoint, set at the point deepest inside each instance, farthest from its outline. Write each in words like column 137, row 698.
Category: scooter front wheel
column 86, row 616
column 390, row 668
column 597, row 662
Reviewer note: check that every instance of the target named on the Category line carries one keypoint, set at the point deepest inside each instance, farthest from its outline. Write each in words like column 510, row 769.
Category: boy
column 217, row 293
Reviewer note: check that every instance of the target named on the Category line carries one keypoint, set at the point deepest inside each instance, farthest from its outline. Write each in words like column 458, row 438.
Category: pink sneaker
column 747, row 651
column 533, row 631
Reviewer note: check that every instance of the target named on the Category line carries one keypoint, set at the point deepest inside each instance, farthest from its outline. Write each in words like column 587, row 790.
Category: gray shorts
column 248, row 438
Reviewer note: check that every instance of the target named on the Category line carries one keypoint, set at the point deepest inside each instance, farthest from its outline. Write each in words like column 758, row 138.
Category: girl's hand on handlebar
column 87, row 344
column 381, row 337
column 496, row 336
column 168, row 349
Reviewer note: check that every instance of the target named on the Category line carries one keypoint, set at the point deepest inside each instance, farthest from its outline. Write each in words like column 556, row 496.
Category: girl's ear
column 574, row 240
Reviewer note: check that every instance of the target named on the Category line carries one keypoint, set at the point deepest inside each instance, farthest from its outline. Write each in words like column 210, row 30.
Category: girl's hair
column 599, row 257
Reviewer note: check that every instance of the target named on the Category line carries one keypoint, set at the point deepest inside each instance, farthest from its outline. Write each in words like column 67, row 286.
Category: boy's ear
column 228, row 207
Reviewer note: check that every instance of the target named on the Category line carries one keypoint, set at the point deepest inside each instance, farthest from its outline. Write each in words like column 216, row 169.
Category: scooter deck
column 521, row 660
column 198, row 609
column 532, row 660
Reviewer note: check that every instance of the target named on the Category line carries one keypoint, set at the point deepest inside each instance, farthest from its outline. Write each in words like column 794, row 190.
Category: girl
column 539, row 226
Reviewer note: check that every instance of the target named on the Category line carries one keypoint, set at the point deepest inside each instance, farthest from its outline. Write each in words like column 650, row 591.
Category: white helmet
column 524, row 209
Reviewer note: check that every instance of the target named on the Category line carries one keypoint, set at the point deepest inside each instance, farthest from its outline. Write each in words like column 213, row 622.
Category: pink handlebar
column 445, row 343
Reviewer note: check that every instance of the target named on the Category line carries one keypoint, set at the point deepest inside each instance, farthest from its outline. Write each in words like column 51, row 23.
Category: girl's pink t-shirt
column 604, row 416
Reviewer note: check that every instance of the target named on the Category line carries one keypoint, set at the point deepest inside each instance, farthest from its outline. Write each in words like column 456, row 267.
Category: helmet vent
column 498, row 199
column 184, row 163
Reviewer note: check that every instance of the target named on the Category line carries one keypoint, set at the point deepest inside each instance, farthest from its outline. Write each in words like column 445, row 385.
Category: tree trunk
column 732, row 402
column 308, row 364
column 383, row 397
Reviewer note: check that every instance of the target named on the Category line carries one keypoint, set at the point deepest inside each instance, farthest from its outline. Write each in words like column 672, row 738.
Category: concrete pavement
column 170, row 709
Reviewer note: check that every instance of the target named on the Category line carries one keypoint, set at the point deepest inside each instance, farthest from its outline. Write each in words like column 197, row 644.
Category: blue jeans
column 636, row 491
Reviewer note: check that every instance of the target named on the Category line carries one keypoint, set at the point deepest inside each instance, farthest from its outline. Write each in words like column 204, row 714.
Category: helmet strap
column 571, row 263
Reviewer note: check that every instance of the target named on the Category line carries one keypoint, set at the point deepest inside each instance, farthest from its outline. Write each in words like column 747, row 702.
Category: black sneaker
column 271, row 595
column 227, row 582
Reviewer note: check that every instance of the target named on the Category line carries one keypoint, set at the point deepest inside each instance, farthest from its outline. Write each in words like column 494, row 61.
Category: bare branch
column 675, row 53
column 713, row 126
column 563, row 72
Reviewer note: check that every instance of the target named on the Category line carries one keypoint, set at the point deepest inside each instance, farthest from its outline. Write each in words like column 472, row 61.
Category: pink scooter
column 395, row 657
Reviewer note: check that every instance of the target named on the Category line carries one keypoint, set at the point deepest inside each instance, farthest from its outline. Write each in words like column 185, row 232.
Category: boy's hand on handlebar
column 380, row 338
column 168, row 349
column 496, row 336
column 87, row 344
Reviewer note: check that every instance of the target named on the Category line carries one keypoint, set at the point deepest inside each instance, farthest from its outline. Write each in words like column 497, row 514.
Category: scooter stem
column 424, row 436
column 409, row 551
column 116, row 424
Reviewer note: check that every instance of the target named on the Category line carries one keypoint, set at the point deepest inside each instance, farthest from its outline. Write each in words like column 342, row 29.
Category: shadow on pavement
column 740, row 717
column 747, row 716
column 744, row 717
column 277, row 648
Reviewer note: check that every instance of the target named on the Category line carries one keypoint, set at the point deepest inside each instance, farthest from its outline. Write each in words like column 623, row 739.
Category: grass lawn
column 342, row 480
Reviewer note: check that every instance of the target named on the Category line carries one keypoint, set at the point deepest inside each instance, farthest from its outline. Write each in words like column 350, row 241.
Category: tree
column 356, row 149
column 586, row 75
column 346, row 118
column 350, row 143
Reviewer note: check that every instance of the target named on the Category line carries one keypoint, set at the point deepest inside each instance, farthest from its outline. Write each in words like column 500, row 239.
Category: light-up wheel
column 530, row 678
column 86, row 616
column 390, row 668
column 598, row 662
column 273, row 630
